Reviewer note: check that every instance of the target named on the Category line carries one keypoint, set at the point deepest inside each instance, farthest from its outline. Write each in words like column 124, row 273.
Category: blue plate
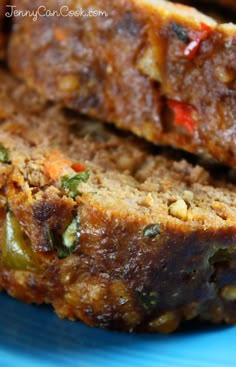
column 33, row 336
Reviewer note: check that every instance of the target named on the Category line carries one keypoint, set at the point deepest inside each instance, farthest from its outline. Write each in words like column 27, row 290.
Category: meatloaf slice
column 161, row 70
column 95, row 224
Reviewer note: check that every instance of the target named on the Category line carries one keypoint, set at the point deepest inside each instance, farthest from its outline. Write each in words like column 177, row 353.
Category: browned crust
column 116, row 278
column 96, row 66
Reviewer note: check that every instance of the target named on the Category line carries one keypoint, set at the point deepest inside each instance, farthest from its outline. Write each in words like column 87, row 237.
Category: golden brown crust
column 163, row 71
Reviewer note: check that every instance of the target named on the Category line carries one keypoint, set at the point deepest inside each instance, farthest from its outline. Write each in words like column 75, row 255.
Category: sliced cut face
column 164, row 71
column 144, row 242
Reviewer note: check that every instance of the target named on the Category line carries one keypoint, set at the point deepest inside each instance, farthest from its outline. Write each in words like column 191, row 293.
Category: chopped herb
column 62, row 253
column 70, row 235
column 71, row 183
column 180, row 33
column 4, row 154
column 151, row 231
column 69, row 240
column 66, row 245
column 149, row 300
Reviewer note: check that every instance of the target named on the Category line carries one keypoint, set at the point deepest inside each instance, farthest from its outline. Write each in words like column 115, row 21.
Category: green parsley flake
column 151, row 230
column 70, row 235
column 4, row 154
column 71, row 183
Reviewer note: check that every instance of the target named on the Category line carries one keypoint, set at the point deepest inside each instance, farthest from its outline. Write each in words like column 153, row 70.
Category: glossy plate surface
column 33, row 336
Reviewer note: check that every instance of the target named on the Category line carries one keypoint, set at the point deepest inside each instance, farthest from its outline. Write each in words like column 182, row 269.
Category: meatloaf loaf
column 161, row 70
column 107, row 232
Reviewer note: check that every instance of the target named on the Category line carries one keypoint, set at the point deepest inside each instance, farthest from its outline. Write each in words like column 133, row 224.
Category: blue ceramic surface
column 33, row 336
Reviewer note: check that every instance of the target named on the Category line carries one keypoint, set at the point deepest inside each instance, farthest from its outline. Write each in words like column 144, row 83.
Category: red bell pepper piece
column 197, row 38
column 78, row 167
column 183, row 115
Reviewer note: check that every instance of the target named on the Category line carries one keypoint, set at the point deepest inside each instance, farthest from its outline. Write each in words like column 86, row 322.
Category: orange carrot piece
column 60, row 35
column 56, row 164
